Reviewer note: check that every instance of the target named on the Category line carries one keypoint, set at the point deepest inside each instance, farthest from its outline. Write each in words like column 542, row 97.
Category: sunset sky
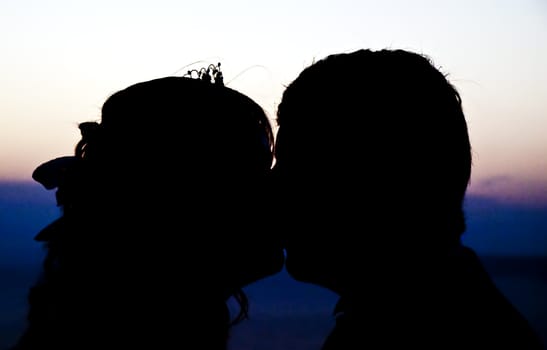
column 61, row 59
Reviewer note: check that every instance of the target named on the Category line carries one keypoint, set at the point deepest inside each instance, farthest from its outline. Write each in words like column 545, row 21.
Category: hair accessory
column 211, row 74
column 50, row 173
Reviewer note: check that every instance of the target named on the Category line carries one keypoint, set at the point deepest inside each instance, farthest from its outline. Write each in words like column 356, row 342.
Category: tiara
column 211, row 74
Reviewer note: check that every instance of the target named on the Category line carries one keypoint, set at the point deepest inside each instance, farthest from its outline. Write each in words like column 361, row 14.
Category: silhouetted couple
column 172, row 204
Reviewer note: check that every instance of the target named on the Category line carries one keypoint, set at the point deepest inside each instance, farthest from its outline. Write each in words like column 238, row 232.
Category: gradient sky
column 61, row 59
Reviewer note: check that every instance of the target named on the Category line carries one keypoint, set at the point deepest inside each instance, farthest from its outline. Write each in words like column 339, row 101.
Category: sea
column 286, row 314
